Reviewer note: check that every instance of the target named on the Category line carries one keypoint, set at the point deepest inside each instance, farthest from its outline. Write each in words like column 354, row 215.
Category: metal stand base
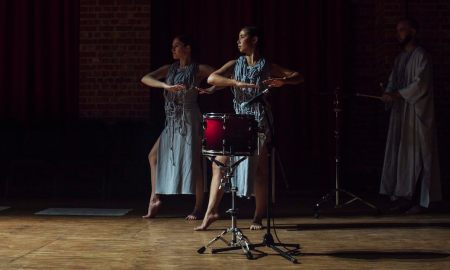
column 334, row 194
column 270, row 243
column 238, row 239
column 241, row 242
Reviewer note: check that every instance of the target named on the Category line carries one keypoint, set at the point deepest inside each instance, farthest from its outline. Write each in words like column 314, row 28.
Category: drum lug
column 223, row 146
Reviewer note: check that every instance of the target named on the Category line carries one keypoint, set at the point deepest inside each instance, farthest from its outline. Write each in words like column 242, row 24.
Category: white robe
column 411, row 156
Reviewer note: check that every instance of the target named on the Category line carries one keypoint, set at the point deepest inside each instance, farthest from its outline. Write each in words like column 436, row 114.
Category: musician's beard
column 406, row 41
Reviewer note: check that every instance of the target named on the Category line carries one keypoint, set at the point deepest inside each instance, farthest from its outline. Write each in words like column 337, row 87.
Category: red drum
column 229, row 134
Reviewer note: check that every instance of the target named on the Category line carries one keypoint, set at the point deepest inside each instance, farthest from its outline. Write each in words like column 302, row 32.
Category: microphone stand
column 258, row 97
column 268, row 240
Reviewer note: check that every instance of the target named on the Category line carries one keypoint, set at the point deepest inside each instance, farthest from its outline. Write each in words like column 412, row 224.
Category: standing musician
column 411, row 167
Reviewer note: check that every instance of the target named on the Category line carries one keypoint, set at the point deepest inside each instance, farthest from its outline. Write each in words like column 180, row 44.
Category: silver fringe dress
column 179, row 155
column 246, row 171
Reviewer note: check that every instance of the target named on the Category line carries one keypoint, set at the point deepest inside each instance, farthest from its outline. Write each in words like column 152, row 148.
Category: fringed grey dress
column 179, row 154
column 245, row 173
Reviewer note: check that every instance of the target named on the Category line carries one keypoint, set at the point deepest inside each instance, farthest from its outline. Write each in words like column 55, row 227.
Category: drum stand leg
column 238, row 239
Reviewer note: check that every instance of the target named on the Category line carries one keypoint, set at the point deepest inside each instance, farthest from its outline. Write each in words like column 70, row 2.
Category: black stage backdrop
column 307, row 36
column 38, row 94
column 39, row 54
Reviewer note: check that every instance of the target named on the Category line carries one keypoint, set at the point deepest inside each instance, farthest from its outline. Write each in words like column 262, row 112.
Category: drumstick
column 368, row 96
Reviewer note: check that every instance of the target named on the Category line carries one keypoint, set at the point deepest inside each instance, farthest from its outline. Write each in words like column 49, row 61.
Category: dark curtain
column 306, row 36
column 39, row 60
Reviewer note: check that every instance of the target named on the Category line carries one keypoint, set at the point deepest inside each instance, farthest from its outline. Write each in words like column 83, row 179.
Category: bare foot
column 194, row 215
column 153, row 208
column 256, row 224
column 207, row 220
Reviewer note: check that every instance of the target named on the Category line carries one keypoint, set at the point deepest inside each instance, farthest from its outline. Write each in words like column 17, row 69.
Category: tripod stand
column 268, row 240
column 238, row 239
column 337, row 190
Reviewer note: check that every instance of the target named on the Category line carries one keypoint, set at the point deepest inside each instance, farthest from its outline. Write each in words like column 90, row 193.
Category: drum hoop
column 226, row 153
column 227, row 115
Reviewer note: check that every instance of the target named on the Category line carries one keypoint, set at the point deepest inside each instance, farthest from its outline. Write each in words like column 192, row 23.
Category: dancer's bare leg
column 215, row 196
column 155, row 201
column 260, row 190
column 199, row 194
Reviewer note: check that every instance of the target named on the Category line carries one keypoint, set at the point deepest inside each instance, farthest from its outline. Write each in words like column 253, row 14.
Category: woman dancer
column 175, row 158
column 248, row 75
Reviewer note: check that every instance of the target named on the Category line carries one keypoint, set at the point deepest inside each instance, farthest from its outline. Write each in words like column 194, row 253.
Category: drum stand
column 337, row 190
column 238, row 239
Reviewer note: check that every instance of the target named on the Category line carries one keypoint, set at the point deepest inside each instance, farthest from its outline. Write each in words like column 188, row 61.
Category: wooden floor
column 130, row 242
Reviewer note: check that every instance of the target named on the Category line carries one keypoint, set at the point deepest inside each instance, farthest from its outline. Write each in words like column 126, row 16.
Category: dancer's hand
column 175, row 88
column 209, row 90
column 274, row 82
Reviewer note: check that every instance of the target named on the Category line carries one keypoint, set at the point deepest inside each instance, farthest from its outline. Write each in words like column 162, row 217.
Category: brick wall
column 114, row 54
